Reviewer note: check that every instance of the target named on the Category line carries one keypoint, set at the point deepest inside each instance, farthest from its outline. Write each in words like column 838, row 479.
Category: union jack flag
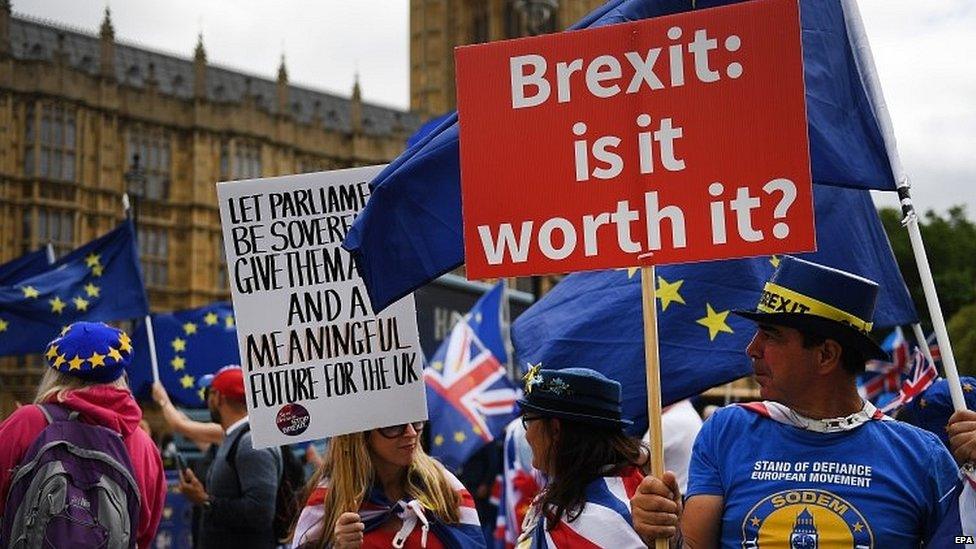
column 923, row 375
column 897, row 347
column 934, row 349
column 469, row 395
column 883, row 378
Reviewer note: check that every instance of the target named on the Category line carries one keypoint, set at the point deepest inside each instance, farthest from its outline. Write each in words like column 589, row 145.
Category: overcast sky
column 924, row 50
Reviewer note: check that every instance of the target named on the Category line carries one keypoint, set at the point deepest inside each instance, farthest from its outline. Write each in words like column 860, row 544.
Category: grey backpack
column 73, row 488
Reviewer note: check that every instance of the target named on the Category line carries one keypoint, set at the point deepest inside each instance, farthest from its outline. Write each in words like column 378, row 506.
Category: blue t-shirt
column 884, row 484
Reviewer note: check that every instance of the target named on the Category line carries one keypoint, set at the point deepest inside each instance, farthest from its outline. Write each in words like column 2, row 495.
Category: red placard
column 683, row 135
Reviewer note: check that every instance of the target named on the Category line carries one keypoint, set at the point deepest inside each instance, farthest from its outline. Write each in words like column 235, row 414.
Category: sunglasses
column 395, row 431
column 529, row 419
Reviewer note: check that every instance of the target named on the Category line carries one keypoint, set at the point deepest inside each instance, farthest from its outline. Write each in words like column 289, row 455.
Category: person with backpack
column 242, row 482
column 208, row 436
column 75, row 468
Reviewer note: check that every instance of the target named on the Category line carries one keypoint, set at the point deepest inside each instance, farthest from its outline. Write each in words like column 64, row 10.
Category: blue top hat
column 578, row 394
column 931, row 409
column 820, row 300
column 93, row 351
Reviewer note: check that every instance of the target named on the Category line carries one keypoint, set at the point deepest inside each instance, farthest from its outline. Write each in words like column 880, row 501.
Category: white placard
column 317, row 361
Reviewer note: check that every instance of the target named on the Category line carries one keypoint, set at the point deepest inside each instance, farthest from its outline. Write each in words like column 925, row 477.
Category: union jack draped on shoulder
column 377, row 510
column 605, row 520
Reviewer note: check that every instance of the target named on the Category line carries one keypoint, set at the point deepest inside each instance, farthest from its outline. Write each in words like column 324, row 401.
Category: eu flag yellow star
column 59, row 361
column 114, row 353
column 80, row 303
column 202, row 392
column 52, row 352
column 667, row 292
column 714, row 321
column 459, row 437
column 229, row 321
column 186, row 381
column 30, row 292
column 630, row 271
column 190, row 328
column 92, row 259
column 92, row 290
column 438, row 440
column 437, row 365
column 3, row 325
column 774, row 260
column 96, row 360
column 210, row 318
column 530, row 376
column 178, row 344
column 178, row 363
column 56, row 305
column 125, row 345
column 75, row 363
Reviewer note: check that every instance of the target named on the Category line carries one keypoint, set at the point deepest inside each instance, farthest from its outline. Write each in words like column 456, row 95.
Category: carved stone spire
column 282, row 87
column 107, row 50
column 199, row 69
column 356, row 107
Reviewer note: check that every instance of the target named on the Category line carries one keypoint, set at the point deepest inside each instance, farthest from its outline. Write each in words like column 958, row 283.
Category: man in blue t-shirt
column 814, row 465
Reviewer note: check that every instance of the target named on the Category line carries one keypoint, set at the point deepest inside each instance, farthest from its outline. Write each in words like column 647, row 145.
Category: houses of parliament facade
column 86, row 117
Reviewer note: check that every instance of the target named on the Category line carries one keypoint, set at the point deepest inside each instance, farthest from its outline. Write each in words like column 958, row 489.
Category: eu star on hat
column 93, row 351
column 931, row 409
column 578, row 394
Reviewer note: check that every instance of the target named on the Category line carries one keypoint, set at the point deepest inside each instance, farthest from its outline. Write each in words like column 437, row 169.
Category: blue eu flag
column 100, row 281
column 594, row 319
column 25, row 266
column 189, row 344
column 410, row 231
column 469, row 395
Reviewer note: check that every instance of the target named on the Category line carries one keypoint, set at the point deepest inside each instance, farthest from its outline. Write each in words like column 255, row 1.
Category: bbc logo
column 965, row 539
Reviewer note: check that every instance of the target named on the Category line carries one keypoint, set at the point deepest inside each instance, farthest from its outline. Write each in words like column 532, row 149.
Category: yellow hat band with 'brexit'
column 777, row 299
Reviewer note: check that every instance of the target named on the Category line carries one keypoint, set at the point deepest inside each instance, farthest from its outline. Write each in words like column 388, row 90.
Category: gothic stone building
column 77, row 109
column 436, row 26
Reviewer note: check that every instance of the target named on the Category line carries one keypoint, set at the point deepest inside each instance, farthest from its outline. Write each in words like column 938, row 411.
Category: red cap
column 229, row 382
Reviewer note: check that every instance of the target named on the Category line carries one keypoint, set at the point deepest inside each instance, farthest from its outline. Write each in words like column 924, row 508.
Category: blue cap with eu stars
column 92, row 351
column 931, row 409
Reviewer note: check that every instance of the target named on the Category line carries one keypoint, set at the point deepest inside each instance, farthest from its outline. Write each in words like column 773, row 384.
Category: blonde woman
column 84, row 382
column 379, row 489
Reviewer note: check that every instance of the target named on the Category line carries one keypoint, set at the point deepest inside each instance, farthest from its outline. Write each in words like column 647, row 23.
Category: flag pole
column 506, row 321
column 872, row 87
column 653, row 372
column 49, row 248
column 923, row 344
column 910, row 222
column 150, row 336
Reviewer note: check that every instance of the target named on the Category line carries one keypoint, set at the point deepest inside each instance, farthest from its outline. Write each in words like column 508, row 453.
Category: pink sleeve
column 17, row 433
column 151, row 478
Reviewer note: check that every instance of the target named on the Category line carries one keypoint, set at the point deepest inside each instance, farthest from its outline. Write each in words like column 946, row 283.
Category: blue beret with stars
column 931, row 409
column 93, row 351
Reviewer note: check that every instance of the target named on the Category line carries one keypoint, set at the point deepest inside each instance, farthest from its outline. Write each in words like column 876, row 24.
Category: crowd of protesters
column 76, row 468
